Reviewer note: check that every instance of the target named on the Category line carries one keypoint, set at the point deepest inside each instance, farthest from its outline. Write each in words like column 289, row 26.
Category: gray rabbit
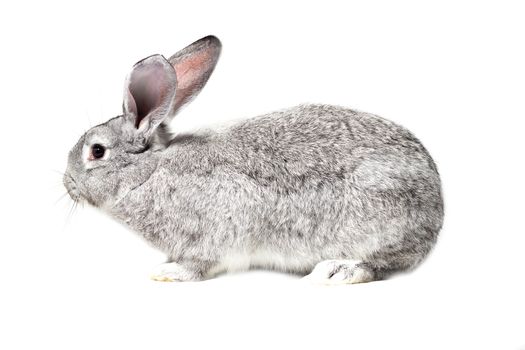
column 340, row 195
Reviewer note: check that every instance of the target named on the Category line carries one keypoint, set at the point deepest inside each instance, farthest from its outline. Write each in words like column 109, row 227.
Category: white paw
column 339, row 272
column 171, row 272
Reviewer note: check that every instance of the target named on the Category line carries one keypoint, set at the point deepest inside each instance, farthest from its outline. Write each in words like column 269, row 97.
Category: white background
column 452, row 72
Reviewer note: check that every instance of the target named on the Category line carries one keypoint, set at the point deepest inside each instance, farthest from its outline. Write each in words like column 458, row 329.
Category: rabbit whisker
column 60, row 198
column 71, row 211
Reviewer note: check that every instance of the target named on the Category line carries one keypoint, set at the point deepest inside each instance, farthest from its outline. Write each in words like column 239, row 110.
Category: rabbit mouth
column 71, row 188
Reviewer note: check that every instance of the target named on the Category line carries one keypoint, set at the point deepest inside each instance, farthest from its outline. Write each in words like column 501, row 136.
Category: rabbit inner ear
column 147, row 93
column 150, row 90
column 194, row 65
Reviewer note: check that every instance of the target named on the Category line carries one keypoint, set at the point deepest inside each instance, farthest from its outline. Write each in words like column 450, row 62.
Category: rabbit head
column 114, row 157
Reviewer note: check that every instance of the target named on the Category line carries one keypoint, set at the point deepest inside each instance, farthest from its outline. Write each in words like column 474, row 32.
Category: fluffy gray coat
column 345, row 195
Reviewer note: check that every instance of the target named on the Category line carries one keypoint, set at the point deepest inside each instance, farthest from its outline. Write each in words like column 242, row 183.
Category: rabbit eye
column 97, row 151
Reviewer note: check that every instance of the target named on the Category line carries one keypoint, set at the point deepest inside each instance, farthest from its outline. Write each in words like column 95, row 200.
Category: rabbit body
column 288, row 190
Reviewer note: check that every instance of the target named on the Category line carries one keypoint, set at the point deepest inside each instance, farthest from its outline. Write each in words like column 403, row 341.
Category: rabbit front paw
column 172, row 272
column 340, row 272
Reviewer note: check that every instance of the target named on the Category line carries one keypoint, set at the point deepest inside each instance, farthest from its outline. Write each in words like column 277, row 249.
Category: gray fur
column 298, row 186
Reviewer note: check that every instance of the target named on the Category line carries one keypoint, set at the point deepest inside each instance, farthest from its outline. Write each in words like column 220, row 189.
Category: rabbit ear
column 193, row 66
column 157, row 88
column 149, row 94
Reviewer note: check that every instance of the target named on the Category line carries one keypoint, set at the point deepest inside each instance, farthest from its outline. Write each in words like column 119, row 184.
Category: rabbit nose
column 71, row 187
